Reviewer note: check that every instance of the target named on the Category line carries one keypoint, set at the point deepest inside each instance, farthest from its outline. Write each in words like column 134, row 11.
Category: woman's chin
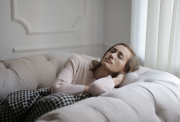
column 106, row 66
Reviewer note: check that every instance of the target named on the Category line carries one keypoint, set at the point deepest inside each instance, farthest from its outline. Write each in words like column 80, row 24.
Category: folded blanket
column 28, row 105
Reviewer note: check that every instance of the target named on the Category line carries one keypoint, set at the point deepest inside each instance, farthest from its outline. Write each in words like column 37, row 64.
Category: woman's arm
column 105, row 84
column 64, row 80
column 101, row 85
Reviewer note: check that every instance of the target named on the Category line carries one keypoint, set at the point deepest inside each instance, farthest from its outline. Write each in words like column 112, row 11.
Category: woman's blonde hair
column 131, row 65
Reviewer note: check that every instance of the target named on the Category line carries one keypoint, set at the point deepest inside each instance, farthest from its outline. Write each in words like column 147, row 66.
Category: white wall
column 117, row 22
column 30, row 27
column 34, row 27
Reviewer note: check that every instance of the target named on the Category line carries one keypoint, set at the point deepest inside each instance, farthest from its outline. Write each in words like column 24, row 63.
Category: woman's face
column 116, row 59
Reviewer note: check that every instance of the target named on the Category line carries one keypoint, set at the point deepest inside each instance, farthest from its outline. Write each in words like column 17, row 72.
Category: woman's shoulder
column 77, row 58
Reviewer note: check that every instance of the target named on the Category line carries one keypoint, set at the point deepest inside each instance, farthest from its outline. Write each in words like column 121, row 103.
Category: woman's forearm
column 66, row 88
column 101, row 85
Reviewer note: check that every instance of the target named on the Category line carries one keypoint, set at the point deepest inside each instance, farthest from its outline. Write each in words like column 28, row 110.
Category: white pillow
column 145, row 74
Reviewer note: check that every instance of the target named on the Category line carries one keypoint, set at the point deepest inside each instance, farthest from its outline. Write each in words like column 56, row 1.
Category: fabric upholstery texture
column 144, row 96
column 32, row 72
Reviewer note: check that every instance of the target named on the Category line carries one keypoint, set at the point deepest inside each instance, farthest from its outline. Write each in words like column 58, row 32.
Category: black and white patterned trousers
column 28, row 105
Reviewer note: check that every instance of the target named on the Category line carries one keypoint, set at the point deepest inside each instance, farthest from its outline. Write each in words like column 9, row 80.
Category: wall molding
column 43, row 48
column 30, row 31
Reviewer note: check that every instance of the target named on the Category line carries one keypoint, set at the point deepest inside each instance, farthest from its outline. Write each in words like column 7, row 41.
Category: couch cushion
column 145, row 74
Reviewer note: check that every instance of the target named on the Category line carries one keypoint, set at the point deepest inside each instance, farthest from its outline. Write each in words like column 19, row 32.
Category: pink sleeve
column 101, row 85
column 65, row 78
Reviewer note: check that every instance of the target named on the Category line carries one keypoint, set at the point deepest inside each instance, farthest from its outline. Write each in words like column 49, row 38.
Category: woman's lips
column 107, row 59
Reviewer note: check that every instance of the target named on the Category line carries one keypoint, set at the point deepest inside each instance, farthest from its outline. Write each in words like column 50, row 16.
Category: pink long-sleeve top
column 76, row 74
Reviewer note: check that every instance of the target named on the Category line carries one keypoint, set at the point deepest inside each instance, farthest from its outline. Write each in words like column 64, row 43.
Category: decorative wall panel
column 48, row 16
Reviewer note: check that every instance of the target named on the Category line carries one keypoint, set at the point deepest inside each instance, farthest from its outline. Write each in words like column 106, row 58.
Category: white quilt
column 144, row 96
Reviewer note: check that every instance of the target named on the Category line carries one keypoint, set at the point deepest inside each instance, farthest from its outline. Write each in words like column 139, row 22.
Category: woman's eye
column 120, row 57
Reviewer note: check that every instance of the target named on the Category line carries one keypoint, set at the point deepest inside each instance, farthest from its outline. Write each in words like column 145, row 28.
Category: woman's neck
column 101, row 72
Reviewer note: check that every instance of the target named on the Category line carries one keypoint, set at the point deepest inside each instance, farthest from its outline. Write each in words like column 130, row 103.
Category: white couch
column 144, row 96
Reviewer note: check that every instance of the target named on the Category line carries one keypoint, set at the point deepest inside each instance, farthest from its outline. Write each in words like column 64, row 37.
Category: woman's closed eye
column 120, row 56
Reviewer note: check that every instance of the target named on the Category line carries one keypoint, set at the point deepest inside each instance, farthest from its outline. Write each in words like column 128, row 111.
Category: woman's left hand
column 117, row 80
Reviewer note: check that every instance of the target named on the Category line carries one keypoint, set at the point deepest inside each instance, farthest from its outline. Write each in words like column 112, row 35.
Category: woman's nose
column 112, row 55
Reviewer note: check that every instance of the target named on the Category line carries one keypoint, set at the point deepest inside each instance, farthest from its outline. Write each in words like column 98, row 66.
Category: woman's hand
column 117, row 80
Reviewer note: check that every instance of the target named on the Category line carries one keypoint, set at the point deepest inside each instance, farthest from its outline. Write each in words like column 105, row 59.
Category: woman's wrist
column 116, row 81
column 86, row 88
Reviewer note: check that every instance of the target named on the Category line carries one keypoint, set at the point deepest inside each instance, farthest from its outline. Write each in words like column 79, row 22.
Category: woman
column 81, row 76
